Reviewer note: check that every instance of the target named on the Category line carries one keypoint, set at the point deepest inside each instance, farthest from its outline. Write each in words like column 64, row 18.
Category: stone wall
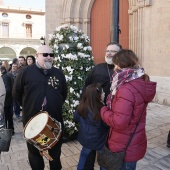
column 68, row 12
column 150, row 39
column 54, row 11
column 162, row 90
column 149, row 33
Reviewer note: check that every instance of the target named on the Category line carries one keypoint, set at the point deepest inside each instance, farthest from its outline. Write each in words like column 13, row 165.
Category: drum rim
column 31, row 120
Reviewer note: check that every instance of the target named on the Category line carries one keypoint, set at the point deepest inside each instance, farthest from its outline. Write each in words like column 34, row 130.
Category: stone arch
column 77, row 12
column 27, row 51
column 7, row 53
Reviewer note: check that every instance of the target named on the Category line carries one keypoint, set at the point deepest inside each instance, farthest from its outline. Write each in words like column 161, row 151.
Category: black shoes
column 168, row 145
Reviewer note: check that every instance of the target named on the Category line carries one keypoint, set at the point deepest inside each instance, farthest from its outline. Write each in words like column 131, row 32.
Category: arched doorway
column 7, row 53
column 100, row 24
column 28, row 51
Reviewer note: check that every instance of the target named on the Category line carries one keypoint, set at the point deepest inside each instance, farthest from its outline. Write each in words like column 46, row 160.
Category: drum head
column 36, row 125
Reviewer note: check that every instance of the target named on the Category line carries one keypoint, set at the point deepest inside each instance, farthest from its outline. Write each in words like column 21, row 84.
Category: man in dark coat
column 8, row 106
column 41, row 87
column 102, row 73
column 13, row 73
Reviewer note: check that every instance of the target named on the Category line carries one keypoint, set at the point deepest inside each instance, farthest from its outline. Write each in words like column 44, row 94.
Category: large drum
column 42, row 131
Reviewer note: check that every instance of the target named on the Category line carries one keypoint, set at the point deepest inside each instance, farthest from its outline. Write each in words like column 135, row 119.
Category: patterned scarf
column 122, row 76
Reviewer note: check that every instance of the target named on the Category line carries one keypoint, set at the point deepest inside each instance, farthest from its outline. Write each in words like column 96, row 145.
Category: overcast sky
column 36, row 4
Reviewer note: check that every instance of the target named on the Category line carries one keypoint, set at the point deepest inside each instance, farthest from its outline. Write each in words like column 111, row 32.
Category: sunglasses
column 111, row 51
column 48, row 54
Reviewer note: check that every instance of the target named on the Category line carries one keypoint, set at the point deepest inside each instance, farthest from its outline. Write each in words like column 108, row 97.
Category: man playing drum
column 41, row 87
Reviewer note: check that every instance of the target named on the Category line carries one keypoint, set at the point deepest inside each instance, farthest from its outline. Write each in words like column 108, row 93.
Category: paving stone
column 3, row 167
column 66, row 152
column 71, row 161
column 13, row 165
column 163, row 150
column 76, row 157
column 151, row 167
column 141, row 164
column 162, row 166
column 74, row 150
column 65, row 165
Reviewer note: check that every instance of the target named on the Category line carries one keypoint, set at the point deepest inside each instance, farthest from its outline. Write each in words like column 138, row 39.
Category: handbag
column 5, row 139
column 5, row 136
column 114, row 160
column 110, row 160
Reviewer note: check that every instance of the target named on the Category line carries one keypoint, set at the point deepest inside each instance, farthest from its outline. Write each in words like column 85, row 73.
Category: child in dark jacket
column 92, row 130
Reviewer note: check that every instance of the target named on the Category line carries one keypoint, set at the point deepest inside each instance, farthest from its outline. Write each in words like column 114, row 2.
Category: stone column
column 136, row 39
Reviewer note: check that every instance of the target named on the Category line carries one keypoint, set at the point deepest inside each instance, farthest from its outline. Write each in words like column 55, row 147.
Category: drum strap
column 44, row 153
column 44, row 103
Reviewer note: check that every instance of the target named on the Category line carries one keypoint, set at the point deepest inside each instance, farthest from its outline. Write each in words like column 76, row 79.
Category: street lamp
column 42, row 40
column 116, row 30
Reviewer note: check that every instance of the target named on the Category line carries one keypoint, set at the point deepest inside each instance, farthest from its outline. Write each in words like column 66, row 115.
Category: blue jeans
column 83, row 156
column 16, row 108
column 129, row 166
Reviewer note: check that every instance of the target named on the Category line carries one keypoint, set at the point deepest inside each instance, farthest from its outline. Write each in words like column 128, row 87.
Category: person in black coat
column 39, row 87
column 102, row 73
column 8, row 106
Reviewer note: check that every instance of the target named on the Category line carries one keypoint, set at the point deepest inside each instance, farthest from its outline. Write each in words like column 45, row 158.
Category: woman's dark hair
column 30, row 56
column 91, row 99
column 125, row 59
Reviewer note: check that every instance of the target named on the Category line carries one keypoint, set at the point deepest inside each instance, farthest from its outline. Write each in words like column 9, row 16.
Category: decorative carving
column 138, row 4
column 69, row 20
column 86, row 21
column 148, row 2
column 78, row 20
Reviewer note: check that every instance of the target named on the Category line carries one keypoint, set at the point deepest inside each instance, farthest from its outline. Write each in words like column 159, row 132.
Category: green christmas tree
column 74, row 56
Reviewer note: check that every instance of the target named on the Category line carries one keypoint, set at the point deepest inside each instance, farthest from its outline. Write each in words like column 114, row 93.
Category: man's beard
column 47, row 65
column 108, row 60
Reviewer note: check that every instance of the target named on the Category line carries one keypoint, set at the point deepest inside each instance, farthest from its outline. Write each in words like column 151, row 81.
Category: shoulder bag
column 5, row 135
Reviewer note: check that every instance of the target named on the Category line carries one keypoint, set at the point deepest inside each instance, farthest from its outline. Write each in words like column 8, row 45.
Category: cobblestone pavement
column 156, row 158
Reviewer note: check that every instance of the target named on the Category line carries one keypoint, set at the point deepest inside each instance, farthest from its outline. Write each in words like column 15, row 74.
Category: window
column 28, row 30
column 28, row 16
column 5, row 30
column 5, row 15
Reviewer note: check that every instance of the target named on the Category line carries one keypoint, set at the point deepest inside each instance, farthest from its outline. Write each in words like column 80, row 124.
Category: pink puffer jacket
column 129, row 103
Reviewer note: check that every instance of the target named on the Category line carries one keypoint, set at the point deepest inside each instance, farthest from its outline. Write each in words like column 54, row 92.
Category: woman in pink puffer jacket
column 131, row 91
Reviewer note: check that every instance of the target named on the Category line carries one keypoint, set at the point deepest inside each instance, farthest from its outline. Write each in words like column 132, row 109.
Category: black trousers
column 9, row 117
column 36, row 160
column 89, row 165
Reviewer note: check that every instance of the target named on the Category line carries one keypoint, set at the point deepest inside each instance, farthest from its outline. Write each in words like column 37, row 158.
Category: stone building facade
column 149, row 33
column 20, row 31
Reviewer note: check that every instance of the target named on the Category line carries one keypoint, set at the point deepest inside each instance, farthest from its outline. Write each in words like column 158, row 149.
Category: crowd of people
column 8, row 74
column 115, row 98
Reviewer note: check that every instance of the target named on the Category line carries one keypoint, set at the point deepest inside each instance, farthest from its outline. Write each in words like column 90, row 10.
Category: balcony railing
column 23, row 41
